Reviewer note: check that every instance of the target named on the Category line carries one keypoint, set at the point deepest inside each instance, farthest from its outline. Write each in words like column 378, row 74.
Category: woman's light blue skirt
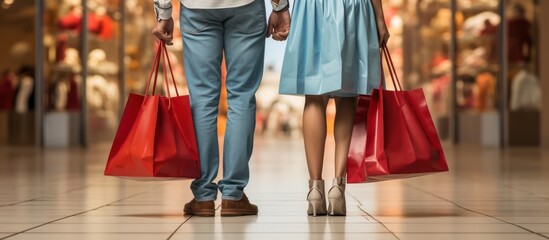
column 332, row 49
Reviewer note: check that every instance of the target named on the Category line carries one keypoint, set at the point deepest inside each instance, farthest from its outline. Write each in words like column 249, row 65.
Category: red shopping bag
column 394, row 137
column 155, row 139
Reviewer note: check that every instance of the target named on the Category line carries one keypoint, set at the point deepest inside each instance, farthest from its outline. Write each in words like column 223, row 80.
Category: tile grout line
column 382, row 224
column 177, row 229
column 470, row 210
column 524, row 191
column 72, row 215
column 16, row 203
column 36, row 198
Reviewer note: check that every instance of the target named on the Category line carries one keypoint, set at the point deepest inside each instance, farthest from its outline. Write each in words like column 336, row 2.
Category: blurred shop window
column 420, row 40
column 140, row 47
column 62, row 42
column 103, row 79
column 477, row 57
column 62, row 27
column 17, row 80
column 524, row 93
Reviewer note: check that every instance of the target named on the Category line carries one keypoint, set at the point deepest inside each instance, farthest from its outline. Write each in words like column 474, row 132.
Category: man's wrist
column 162, row 13
column 280, row 6
column 163, row 20
column 284, row 9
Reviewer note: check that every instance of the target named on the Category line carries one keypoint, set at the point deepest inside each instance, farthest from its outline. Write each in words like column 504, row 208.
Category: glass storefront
column 82, row 43
column 479, row 71
column 420, row 43
column 63, row 80
column 17, row 80
column 477, row 90
column 523, row 93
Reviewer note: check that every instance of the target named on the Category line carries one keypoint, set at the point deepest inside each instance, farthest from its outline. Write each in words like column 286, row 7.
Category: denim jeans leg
column 244, row 53
column 202, row 54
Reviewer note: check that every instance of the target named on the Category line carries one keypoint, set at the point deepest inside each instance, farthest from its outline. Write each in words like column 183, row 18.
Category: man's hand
column 163, row 31
column 279, row 25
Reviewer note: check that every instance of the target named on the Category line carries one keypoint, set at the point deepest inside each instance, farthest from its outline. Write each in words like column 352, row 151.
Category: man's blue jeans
column 240, row 33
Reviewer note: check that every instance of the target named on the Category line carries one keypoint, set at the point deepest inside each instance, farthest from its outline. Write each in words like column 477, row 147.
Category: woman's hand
column 279, row 25
column 382, row 32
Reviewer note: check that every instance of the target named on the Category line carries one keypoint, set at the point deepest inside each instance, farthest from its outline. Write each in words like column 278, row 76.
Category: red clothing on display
column 6, row 94
column 73, row 101
column 518, row 36
column 71, row 21
column 106, row 27
column 61, row 47
column 101, row 25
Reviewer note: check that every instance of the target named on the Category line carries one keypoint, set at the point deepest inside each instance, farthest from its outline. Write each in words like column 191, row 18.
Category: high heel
column 336, row 198
column 315, row 197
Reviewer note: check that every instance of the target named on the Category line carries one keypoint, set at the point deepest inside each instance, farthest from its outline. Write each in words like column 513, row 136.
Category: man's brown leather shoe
column 242, row 207
column 201, row 209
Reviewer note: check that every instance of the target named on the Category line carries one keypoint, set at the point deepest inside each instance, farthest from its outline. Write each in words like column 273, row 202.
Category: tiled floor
column 489, row 194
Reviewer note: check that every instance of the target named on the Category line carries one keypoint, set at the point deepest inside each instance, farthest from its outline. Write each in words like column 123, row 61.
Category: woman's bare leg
column 343, row 128
column 314, row 133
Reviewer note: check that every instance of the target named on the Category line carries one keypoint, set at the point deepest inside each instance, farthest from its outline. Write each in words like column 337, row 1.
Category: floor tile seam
column 359, row 207
column 291, row 223
column 37, row 198
column 279, row 233
column 186, row 220
column 524, row 191
column 102, row 232
column 201, row 233
column 262, row 223
column 16, row 203
column 465, row 233
column 477, row 212
column 107, row 223
column 177, row 229
column 72, row 215
column 382, row 224
column 290, row 232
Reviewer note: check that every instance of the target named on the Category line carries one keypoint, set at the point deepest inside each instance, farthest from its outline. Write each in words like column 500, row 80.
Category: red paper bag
column 400, row 140
column 155, row 139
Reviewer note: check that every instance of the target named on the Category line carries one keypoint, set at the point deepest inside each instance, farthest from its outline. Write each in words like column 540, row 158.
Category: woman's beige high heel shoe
column 317, row 202
column 336, row 198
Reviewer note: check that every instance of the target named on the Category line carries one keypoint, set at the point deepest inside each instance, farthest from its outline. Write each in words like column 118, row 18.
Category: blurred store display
column 94, row 54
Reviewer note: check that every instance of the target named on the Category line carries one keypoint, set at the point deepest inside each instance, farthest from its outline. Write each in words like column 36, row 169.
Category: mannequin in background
column 519, row 51
column 24, row 97
column 519, row 39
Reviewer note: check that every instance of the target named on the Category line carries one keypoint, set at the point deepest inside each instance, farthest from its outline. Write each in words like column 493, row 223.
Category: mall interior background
column 65, row 78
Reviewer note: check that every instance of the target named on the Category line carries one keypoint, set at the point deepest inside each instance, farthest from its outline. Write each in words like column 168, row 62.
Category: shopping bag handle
column 171, row 71
column 154, row 70
column 392, row 70
column 161, row 56
column 384, row 52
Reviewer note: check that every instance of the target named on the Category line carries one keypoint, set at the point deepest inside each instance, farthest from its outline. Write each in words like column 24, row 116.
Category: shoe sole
column 201, row 213
column 236, row 212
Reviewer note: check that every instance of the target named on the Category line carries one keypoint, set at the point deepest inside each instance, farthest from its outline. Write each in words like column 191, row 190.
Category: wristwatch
column 281, row 5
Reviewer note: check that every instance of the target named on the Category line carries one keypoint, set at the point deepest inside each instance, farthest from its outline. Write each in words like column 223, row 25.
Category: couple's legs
column 314, row 133
column 206, row 34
